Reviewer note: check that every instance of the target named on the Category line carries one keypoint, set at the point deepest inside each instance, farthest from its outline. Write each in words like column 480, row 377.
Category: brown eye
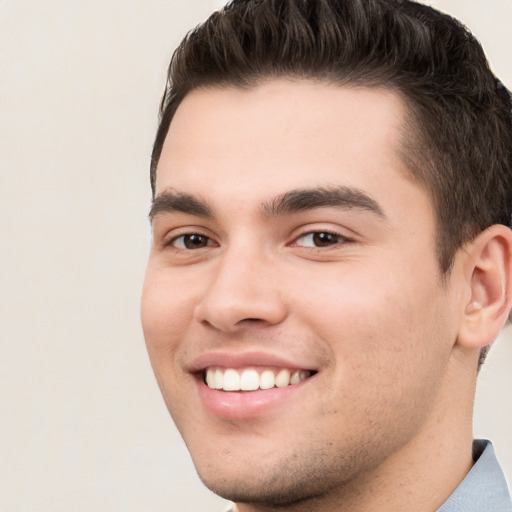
column 319, row 239
column 191, row 241
column 324, row 239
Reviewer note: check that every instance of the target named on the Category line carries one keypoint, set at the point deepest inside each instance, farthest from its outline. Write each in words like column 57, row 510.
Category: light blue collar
column 484, row 489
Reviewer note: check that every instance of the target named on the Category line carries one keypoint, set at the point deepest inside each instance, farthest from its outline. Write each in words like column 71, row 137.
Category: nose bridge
column 241, row 287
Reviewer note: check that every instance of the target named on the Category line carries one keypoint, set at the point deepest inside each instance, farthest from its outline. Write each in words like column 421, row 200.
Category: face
column 293, row 308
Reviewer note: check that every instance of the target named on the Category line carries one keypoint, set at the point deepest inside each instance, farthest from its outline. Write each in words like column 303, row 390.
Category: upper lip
column 245, row 359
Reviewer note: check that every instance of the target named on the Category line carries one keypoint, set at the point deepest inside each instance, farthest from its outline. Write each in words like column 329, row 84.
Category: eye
column 319, row 239
column 191, row 241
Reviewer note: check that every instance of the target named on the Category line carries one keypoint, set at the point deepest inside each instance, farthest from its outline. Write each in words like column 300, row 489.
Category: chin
column 281, row 490
column 288, row 481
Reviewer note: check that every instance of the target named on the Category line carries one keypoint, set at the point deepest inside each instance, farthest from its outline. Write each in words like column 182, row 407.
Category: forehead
column 283, row 135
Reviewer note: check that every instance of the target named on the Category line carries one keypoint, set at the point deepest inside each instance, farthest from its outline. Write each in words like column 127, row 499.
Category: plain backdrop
column 82, row 423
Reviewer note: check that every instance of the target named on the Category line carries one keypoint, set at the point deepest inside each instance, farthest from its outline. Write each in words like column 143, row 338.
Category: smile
column 252, row 379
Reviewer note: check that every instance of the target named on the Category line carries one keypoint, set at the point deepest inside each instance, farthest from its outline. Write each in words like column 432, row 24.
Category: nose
column 241, row 290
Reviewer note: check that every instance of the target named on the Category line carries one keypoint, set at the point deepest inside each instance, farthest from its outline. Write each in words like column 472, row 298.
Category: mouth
column 253, row 378
column 248, row 385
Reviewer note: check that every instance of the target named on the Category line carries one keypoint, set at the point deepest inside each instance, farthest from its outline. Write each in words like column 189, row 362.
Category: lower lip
column 240, row 405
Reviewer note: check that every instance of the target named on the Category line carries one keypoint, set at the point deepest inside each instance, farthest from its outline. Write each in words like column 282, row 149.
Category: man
column 331, row 255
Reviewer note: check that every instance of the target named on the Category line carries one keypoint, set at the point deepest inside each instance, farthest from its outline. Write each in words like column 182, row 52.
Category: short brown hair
column 459, row 142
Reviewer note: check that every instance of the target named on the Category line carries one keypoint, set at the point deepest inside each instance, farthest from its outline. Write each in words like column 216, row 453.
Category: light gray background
column 82, row 424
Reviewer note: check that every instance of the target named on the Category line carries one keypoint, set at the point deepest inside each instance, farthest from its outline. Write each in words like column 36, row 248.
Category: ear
column 489, row 274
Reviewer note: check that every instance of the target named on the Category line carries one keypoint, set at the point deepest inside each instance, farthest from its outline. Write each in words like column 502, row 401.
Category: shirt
column 484, row 489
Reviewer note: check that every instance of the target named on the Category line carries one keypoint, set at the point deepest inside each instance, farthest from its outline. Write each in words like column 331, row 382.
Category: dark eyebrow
column 347, row 198
column 169, row 201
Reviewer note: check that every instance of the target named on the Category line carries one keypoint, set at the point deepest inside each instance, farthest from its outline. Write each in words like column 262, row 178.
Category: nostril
column 250, row 321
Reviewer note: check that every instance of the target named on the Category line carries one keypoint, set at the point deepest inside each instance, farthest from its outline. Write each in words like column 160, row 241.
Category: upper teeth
column 250, row 379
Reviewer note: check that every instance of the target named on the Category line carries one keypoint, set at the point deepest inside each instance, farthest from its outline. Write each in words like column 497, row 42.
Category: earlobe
column 489, row 274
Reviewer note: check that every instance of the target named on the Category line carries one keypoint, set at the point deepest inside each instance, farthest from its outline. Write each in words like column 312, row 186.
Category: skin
column 385, row 423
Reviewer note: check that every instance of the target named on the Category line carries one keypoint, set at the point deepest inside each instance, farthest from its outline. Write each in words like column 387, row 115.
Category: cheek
column 166, row 311
column 387, row 363
column 384, row 334
column 165, row 317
